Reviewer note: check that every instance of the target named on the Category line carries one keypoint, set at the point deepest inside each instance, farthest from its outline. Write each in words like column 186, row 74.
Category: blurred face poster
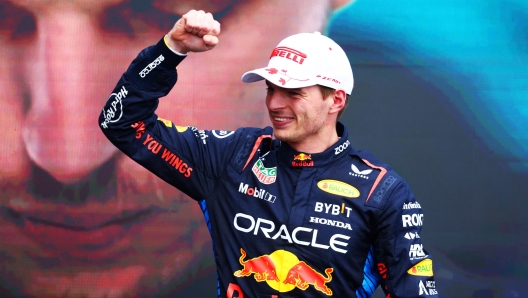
column 440, row 94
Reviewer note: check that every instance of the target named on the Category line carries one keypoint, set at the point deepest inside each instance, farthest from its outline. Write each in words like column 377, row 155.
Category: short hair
column 327, row 91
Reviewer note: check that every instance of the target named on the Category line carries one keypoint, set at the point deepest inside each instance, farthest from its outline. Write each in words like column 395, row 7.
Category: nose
column 67, row 90
column 276, row 100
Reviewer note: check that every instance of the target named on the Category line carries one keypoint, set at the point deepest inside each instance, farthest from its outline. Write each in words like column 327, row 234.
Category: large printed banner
column 441, row 94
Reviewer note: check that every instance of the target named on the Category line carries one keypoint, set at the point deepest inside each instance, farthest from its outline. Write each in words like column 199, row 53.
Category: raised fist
column 196, row 31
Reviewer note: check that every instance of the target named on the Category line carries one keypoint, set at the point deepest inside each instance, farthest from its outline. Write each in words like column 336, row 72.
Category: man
column 77, row 218
column 302, row 214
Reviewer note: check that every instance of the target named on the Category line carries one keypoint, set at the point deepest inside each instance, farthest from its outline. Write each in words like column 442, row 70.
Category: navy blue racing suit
column 283, row 223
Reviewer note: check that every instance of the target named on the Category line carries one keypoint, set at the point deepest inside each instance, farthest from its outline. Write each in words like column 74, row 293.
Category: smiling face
column 77, row 217
column 302, row 117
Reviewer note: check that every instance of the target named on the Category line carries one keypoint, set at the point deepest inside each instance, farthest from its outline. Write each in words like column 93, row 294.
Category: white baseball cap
column 303, row 60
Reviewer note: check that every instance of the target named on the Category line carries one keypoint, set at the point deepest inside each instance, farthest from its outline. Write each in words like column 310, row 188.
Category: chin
column 285, row 137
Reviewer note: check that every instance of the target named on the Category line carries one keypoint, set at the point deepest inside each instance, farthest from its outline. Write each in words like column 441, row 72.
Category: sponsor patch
column 263, row 174
column 302, row 160
column 415, row 205
column 342, row 148
column 151, row 66
column 333, row 209
column 412, row 220
column 140, row 128
column 263, row 227
column 357, row 173
column 378, row 195
column 156, row 148
column 289, row 53
column 283, row 272
column 424, row 268
column 222, row 133
column 338, row 188
column 114, row 112
column 429, row 288
column 330, row 222
column 411, row 235
column 200, row 133
column 416, row 252
column 256, row 192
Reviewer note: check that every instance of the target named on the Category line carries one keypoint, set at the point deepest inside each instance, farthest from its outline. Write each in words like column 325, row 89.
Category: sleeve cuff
column 175, row 52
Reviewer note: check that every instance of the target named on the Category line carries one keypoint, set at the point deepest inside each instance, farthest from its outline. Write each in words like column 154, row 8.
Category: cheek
column 11, row 109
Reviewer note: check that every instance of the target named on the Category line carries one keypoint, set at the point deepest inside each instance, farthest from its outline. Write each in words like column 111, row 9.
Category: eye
column 135, row 17
column 293, row 93
column 16, row 22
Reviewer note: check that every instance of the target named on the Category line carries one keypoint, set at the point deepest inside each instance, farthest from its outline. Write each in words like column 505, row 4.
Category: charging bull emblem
column 303, row 275
column 284, row 272
column 262, row 267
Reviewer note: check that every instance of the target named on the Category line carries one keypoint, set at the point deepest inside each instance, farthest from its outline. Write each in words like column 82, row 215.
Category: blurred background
column 441, row 94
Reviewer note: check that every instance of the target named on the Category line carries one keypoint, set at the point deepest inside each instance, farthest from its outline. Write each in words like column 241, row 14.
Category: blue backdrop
column 441, row 94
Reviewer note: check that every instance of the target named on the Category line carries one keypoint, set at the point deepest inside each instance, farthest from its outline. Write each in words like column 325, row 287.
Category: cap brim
column 280, row 78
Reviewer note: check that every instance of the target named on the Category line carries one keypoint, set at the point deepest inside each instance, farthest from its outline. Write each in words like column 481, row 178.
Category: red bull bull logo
column 302, row 275
column 262, row 267
column 284, row 272
column 302, row 160
column 302, row 157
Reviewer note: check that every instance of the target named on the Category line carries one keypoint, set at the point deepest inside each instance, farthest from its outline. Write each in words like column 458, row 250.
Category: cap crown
column 315, row 57
column 306, row 59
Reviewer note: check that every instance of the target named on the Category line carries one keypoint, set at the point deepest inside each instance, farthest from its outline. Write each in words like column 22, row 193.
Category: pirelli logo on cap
column 289, row 53
column 338, row 188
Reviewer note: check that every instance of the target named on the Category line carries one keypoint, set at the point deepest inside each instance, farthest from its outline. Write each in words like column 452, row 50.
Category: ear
column 339, row 101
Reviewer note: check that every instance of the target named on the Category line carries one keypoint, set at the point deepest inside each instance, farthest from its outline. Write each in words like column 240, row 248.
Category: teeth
column 281, row 119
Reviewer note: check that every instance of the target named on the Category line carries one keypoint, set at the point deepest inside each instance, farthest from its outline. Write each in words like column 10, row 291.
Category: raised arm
column 180, row 155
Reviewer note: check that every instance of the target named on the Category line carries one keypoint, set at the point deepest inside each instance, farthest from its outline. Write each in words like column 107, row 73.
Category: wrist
column 174, row 46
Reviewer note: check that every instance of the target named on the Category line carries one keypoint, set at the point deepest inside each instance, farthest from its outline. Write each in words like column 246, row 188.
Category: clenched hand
column 196, row 31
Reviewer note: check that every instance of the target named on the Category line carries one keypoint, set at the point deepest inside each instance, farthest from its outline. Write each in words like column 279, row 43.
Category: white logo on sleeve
column 341, row 147
column 411, row 236
column 410, row 205
column 151, row 66
column 115, row 110
column 412, row 220
column 222, row 133
column 416, row 252
column 428, row 289
column 357, row 173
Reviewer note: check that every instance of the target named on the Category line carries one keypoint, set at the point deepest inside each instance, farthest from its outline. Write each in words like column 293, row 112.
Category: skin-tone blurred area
column 76, row 217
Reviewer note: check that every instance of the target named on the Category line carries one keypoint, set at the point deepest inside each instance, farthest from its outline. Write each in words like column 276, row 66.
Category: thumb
column 210, row 41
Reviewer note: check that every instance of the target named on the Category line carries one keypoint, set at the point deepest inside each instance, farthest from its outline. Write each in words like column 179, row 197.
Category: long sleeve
column 186, row 157
column 405, row 267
